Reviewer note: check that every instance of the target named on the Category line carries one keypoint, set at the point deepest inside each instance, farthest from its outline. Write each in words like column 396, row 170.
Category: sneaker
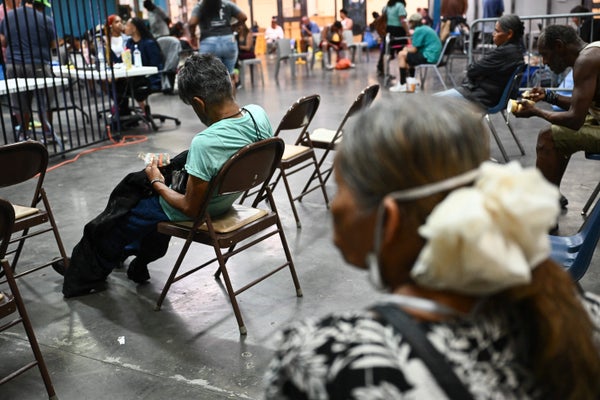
column 138, row 272
column 398, row 88
column 329, row 67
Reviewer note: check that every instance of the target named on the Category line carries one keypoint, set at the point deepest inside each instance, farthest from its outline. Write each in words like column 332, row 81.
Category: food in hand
column 516, row 106
column 526, row 94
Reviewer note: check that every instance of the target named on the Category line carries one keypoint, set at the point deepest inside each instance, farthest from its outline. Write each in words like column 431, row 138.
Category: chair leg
column 495, row 134
column 35, row 347
column 277, row 69
column 59, row 243
column 591, row 199
column 230, row 291
column 515, row 137
column 314, row 174
column 291, row 198
column 437, row 71
column 173, row 274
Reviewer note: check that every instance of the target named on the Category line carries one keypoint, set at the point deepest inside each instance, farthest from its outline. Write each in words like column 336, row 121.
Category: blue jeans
column 129, row 233
column 223, row 47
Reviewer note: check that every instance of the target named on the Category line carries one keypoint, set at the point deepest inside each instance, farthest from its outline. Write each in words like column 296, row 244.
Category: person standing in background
column 28, row 35
column 158, row 19
column 491, row 9
column 396, row 26
column 589, row 30
column 346, row 21
column 216, row 31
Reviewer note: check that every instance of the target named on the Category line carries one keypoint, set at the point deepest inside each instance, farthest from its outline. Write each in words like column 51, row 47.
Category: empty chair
column 590, row 201
column 575, row 252
column 315, row 49
column 510, row 92
column 354, row 47
column 20, row 162
column 328, row 139
column 287, row 54
column 442, row 61
column 251, row 64
column 13, row 302
column 300, row 155
column 240, row 228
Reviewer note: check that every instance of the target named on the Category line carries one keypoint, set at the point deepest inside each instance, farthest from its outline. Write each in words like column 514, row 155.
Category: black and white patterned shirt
column 353, row 356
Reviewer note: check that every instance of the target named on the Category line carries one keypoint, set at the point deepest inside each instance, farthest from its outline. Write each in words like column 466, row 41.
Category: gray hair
column 405, row 144
column 204, row 76
column 512, row 22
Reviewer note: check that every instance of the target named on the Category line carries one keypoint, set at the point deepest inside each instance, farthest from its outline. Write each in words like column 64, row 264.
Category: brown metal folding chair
column 249, row 168
column 20, row 162
column 298, row 156
column 328, row 139
column 13, row 302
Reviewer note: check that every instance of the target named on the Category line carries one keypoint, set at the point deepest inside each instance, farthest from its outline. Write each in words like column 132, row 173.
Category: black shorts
column 416, row 59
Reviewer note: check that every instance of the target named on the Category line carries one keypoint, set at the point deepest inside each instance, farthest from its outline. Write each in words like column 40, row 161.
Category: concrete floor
column 113, row 345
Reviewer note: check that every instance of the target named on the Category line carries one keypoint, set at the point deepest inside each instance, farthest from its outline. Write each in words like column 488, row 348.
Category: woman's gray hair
column 403, row 144
column 513, row 22
column 204, row 76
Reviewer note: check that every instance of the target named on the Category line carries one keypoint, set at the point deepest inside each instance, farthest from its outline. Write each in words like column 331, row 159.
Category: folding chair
column 328, row 139
column 443, row 61
column 250, row 167
column 285, row 53
column 575, row 252
column 510, row 92
column 13, row 302
column 354, row 47
column 20, row 162
column 300, row 155
column 392, row 45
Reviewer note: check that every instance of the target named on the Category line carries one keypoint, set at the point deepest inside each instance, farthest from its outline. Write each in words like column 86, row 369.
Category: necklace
column 239, row 111
column 422, row 304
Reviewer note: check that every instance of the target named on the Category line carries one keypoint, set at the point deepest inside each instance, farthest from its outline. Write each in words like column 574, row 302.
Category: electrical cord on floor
column 126, row 140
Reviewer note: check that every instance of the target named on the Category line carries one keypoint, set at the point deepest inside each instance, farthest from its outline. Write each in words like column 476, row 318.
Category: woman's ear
column 393, row 221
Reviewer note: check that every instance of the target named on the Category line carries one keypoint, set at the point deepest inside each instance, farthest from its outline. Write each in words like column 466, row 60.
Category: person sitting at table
column 116, row 38
column 474, row 307
column 142, row 40
column 332, row 38
column 487, row 77
column 245, row 42
column 143, row 199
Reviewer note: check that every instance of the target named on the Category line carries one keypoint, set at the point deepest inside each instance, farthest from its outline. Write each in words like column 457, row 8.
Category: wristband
column 153, row 181
column 551, row 97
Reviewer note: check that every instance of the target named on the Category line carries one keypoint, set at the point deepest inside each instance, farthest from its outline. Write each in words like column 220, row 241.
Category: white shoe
column 398, row 88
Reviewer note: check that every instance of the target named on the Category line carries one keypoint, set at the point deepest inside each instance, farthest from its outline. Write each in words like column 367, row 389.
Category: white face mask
column 372, row 258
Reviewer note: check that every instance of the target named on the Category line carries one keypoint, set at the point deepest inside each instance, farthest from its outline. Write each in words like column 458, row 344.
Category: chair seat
column 323, row 137
column 22, row 211
column 292, row 151
column 7, row 304
column 232, row 220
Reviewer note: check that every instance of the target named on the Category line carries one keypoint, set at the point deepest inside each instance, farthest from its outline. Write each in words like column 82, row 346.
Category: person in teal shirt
column 425, row 48
column 204, row 84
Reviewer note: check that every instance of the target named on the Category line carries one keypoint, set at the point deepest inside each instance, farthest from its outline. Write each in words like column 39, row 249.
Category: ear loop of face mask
column 372, row 258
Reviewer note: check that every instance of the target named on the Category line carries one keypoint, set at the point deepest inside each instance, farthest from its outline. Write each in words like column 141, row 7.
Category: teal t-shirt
column 427, row 42
column 212, row 147
column 394, row 13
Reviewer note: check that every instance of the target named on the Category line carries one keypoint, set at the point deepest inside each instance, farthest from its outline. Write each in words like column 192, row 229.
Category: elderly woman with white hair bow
column 474, row 307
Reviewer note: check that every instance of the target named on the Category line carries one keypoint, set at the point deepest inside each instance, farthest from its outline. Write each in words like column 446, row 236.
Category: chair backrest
column 348, row 37
column 446, row 51
column 299, row 116
column 284, row 48
column 22, row 161
column 251, row 166
column 509, row 90
column 316, row 41
column 170, row 47
column 7, row 220
column 362, row 101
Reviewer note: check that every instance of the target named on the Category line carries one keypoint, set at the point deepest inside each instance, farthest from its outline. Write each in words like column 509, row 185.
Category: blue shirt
column 312, row 27
column 212, row 147
column 427, row 42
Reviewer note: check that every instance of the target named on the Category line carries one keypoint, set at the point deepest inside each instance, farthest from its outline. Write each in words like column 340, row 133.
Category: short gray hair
column 403, row 144
column 204, row 76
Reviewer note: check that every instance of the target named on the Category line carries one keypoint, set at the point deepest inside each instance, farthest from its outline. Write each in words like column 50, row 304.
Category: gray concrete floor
column 113, row 345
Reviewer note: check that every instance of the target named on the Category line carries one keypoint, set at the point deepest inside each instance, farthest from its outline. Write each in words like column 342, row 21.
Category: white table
column 13, row 85
column 103, row 75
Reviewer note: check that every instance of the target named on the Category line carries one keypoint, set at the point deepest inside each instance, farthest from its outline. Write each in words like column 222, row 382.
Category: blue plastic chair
column 509, row 92
column 575, row 252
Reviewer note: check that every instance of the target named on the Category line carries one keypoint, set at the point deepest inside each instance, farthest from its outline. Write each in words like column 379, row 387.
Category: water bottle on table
column 137, row 57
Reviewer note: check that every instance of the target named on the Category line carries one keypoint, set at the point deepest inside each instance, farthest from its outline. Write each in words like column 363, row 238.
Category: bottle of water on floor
column 137, row 57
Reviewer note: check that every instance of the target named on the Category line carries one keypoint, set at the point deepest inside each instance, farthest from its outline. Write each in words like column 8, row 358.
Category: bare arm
column 585, row 76
column 2, row 40
column 188, row 203
column 192, row 24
